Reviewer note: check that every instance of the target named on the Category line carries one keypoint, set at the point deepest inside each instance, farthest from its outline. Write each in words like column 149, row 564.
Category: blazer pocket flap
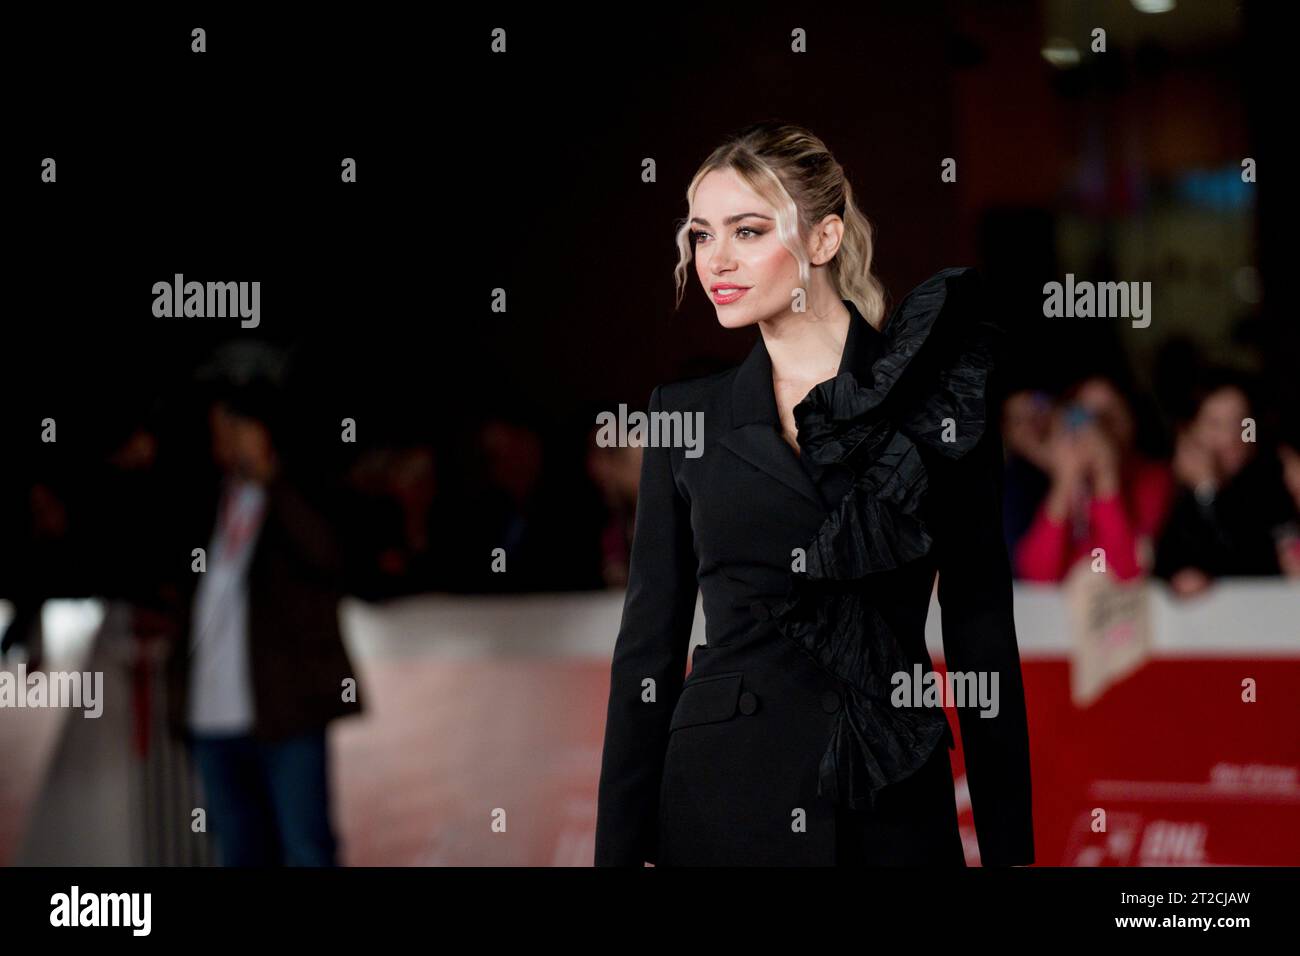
column 707, row 700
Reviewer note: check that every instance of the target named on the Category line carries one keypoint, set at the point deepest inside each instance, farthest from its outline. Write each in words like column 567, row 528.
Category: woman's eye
column 743, row 232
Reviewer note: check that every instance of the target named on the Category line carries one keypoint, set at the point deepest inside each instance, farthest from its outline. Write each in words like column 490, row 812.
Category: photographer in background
column 1102, row 492
column 264, row 669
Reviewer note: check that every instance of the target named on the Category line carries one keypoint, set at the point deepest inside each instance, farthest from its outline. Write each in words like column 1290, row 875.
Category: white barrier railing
column 1250, row 617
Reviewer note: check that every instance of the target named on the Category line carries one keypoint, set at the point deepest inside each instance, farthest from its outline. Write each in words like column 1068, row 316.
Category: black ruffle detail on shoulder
column 928, row 387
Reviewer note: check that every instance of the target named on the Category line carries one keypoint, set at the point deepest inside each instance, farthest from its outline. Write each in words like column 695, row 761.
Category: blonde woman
column 844, row 464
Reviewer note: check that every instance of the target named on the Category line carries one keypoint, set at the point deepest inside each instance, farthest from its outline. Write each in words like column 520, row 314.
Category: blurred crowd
column 1224, row 502
column 521, row 510
column 530, row 507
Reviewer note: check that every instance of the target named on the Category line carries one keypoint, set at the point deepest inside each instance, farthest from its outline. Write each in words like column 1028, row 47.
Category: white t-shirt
column 220, row 691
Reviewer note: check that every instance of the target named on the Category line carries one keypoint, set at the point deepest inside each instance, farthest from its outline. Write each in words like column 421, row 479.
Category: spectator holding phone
column 1102, row 492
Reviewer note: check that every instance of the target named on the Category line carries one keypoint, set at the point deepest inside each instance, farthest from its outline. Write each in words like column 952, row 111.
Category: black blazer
column 727, row 766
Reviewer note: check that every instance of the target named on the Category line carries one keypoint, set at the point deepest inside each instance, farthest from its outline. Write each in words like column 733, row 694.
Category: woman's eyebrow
column 730, row 219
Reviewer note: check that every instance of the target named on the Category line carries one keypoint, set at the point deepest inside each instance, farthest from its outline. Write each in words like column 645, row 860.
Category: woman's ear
column 825, row 240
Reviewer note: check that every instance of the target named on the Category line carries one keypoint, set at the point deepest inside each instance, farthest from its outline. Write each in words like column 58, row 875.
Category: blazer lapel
column 755, row 433
column 862, row 347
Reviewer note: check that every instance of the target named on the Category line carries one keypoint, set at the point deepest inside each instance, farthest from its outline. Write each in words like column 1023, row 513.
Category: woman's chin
column 729, row 318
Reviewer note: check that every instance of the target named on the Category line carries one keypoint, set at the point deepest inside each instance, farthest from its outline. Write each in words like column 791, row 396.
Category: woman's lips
column 727, row 296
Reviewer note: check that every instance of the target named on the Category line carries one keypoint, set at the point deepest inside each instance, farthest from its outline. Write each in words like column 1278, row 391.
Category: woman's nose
column 721, row 259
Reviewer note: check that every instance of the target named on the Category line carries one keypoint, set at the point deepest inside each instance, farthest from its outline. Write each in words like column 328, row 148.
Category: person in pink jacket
column 1103, row 492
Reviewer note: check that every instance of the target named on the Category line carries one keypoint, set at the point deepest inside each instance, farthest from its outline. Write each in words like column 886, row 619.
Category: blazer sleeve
column 979, row 635
column 653, row 638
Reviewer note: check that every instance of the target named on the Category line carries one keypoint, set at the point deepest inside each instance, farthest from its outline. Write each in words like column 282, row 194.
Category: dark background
column 523, row 171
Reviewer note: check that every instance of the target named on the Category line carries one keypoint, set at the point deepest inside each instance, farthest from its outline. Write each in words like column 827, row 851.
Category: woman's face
column 224, row 436
column 1290, row 456
column 736, row 248
column 1109, row 409
column 1218, row 427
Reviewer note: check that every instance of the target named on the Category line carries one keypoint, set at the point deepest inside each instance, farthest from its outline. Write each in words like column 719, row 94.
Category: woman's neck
column 805, row 346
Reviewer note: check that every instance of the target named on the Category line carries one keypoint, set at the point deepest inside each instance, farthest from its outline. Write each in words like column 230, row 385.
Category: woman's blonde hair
column 794, row 171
